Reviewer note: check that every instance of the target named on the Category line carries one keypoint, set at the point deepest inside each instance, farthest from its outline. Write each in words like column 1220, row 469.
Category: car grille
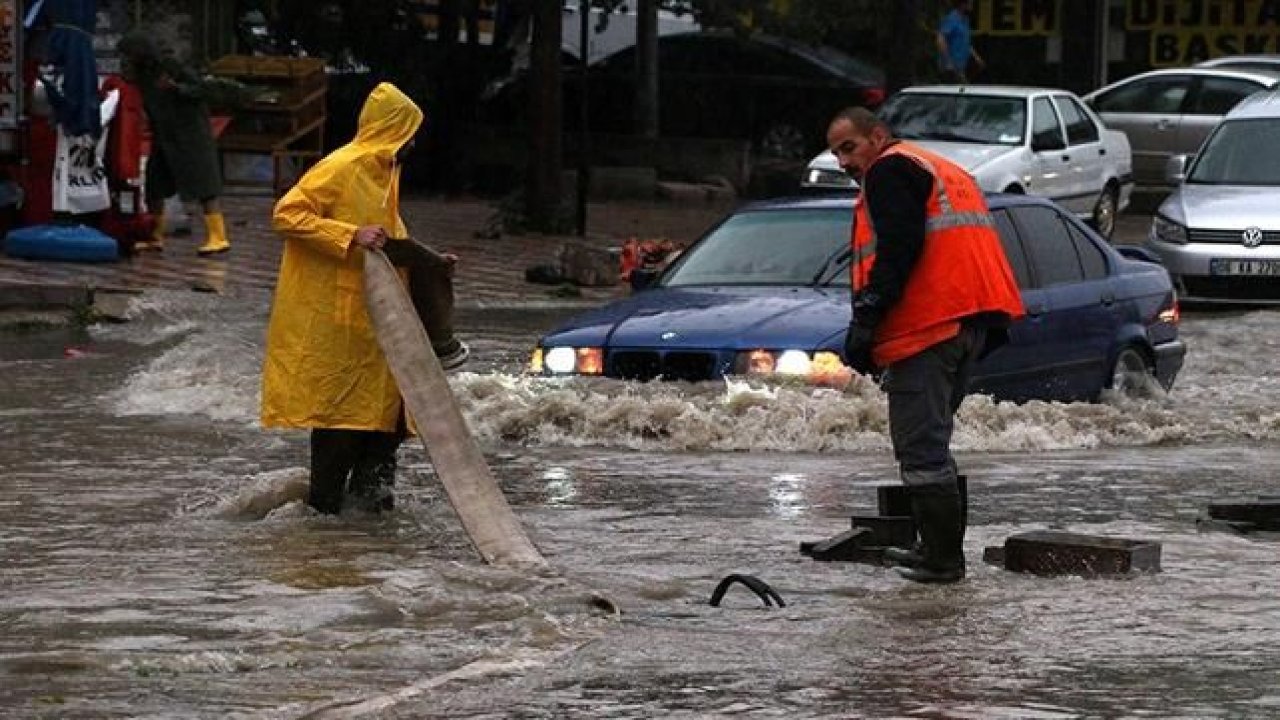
column 1232, row 288
column 1229, row 237
column 671, row 365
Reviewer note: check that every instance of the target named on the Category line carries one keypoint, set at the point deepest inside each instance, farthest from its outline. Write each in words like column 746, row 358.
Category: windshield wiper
column 833, row 264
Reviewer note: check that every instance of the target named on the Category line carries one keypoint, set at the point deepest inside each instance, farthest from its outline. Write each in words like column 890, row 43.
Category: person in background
column 955, row 46
column 184, row 154
column 323, row 368
column 932, row 293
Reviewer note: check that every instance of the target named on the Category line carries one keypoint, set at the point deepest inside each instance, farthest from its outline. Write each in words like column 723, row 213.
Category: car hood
column 970, row 156
column 1228, row 207
column 713, row 317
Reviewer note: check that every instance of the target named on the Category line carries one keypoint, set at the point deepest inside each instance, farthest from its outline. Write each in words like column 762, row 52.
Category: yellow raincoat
column 323, row 366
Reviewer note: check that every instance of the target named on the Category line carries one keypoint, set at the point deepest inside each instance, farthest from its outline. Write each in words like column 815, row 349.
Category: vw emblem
column 668, row 335
column 1251, row 237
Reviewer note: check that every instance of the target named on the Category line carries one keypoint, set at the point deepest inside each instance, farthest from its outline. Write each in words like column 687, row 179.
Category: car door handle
column 1034, row 311
column 1163, row 124
column 1066, row 158
column 1102, row 151
column 1108, row 299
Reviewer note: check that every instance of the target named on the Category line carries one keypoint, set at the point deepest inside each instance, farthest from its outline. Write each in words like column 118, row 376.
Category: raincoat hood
column 388, row 120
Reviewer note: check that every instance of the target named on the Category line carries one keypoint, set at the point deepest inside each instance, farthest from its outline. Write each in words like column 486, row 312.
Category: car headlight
column 1165, row 230
column 825, row 177
column 568, row 360
column 793, row 362
column 822, row 368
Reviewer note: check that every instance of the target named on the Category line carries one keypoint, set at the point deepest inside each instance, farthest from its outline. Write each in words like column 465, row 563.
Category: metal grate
column 650, row 365
column 1230, row 237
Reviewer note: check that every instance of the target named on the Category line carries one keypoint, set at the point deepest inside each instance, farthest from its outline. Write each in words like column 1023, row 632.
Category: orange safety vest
column 962, row 269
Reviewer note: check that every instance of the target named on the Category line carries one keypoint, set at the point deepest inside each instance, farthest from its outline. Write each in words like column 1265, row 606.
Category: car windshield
column 952, row 117
column 767, row 247
column 1240, row 152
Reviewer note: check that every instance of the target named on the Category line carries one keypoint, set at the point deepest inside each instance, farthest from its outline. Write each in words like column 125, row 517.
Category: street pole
column 584, row 134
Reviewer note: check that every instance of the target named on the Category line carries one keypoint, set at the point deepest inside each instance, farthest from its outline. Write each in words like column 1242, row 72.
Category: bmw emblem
column 669, row 335
column 1251, row 237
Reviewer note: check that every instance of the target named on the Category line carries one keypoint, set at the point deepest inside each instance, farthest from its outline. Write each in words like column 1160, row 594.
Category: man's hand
column 370, row 237
column 857, row 349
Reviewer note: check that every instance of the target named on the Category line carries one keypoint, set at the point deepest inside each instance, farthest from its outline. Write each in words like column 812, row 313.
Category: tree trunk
column 647, row 69
column 908, row 26
column 542, row 180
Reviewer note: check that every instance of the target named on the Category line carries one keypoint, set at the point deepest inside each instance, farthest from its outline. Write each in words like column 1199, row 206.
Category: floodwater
column 155, row 561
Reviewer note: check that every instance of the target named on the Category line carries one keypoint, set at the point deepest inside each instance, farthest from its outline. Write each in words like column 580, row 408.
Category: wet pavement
column 491, row 273
column 155, row 560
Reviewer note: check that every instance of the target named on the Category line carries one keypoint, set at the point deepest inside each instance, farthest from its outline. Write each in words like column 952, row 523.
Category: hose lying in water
column 494, row 529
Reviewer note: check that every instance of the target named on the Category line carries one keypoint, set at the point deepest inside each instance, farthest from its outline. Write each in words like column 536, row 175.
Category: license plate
column 1219, row 266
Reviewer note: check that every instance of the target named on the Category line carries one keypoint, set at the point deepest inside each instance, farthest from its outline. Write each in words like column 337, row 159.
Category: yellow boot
column 215, row 235
column 156, row 241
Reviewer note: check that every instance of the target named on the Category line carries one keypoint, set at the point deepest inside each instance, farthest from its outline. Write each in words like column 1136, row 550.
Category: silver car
column 1170, row 112
column 1219, row 232
column 1037, row 141
column 1268, row 63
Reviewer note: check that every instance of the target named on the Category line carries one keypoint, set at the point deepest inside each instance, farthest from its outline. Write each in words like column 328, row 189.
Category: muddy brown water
column 155, row 561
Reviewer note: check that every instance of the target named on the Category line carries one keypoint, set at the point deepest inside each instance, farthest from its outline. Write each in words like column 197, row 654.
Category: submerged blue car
column 766, row 292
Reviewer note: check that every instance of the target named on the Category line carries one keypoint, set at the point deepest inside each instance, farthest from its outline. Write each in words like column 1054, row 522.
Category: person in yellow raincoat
column 323, row 368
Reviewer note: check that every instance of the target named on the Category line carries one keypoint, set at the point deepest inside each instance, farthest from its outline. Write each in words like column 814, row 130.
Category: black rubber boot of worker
column 939, row 519
column 333, row 453
column 374, row 476
column 914, row 555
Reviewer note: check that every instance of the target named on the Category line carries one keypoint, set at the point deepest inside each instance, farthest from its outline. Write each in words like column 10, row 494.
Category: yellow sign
column 1184, row 32
column 1016, row 18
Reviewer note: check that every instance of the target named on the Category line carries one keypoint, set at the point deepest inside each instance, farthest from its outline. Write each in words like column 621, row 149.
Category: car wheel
column 1104, row 212
column 1132, row 376
column 783, row 140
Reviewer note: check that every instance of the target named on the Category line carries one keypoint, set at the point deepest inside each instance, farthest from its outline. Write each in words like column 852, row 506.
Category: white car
column 1036, row 141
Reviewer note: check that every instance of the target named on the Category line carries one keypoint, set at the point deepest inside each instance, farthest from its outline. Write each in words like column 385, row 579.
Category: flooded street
column 155, row 560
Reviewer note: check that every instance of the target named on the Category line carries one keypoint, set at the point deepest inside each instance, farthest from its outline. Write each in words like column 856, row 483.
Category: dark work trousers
column 430, row 288
column 925, row 390
column 362, row 462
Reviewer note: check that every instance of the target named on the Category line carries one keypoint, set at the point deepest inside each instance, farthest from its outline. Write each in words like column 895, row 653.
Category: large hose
column 489, row 521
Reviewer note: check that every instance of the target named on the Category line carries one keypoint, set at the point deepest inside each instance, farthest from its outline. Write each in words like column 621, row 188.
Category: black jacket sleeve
column 896, row 191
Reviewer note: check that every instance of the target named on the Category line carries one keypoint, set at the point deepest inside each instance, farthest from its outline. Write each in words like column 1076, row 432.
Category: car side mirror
column 1175, row 169
column 642, row 278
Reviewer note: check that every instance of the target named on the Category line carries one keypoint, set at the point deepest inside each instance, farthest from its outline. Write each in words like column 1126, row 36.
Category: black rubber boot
column 937, row 510
column 914, row 555
column 374, row 476
column 333, row 453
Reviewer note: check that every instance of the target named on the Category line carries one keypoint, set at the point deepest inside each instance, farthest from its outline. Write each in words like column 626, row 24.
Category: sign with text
column 10, row 65
column 1016, row 18
column 1184, row 32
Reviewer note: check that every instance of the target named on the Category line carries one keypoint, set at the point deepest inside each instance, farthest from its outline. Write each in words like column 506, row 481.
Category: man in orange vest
column 932, row 293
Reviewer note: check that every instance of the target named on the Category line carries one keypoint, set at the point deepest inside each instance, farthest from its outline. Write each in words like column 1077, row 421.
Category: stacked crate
column 286, row 116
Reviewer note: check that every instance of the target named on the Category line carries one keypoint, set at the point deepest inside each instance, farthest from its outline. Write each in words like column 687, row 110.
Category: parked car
column 1037, row 141
column 609, row 31
column 1171, row 111
column 1218, row 233
column 1264, row 63
column 776, row 93
column 766, row 292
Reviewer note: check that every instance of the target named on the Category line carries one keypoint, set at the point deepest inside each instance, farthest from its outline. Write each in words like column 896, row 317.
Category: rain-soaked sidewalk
column 491, row 272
